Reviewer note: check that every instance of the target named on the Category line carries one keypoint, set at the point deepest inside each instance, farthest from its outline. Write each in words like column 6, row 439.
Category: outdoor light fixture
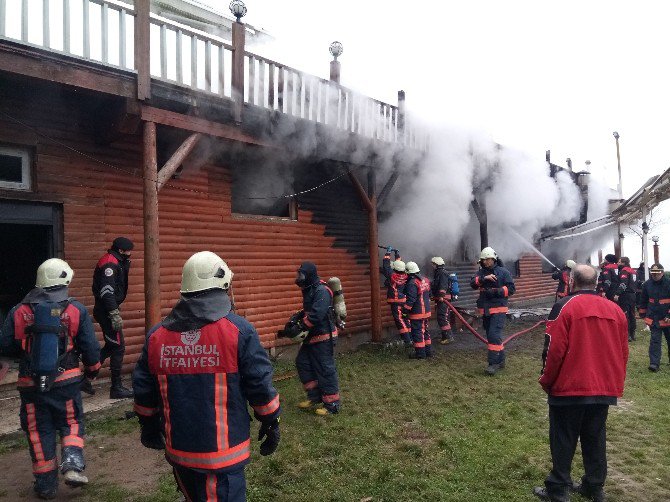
column 616, row 135
column 654, row 239
column 645, row 227
column 335, row 49
column 238, row 9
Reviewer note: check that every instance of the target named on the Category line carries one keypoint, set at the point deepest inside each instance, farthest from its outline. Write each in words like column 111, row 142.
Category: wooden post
column 142, row 49
column 335, row 71
column 152, row 286
column 618, row 241
column 373, row 233
column 237, row 70
column 656, row 258
column 401, row 115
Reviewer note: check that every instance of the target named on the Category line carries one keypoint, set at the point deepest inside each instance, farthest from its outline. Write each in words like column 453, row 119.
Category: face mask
column 301, row 280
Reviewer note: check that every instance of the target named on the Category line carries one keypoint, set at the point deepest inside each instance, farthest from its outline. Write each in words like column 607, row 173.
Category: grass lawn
column 438, row 430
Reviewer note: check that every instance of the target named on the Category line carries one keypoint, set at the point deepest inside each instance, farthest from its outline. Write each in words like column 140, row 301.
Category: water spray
column 533, row 248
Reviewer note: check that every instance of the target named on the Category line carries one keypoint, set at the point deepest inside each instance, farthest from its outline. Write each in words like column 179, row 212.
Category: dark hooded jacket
column 317, row 303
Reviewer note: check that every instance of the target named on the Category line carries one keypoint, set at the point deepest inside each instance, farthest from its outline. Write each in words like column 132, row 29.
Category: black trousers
column 115, row 345
column 567, row 424
column 628, row 307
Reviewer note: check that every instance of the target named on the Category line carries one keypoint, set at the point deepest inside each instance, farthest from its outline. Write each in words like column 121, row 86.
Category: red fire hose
column 480, row 337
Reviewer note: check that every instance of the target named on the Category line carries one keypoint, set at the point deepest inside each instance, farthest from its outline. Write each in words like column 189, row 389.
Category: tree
column 652, row 222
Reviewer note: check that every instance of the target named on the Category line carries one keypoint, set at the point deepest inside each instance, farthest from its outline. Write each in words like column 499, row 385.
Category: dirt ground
column 138, row 473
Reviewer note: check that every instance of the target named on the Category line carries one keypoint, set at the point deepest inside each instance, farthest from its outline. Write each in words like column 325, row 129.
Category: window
column 15, row 168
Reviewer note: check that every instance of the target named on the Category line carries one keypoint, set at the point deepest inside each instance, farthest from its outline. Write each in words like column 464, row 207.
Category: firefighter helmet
column 570, row 264
column 488, row 253
column 205, row 270
column 412, row 268
column 53, row 272
column 437, row 260
column 656, row 268
column 398, row 266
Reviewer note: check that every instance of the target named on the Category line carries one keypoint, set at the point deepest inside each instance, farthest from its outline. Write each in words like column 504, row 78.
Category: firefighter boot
column 87, row 387
column 447, row 337
column 493, row 369
column 46, row 485
column 72, row 466
column 306, row 404
column 117, row 390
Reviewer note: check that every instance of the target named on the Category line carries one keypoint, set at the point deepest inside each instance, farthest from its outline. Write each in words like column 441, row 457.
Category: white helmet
column 53, row 272
column 205, row 270
column 570, row 264
column 412, row 268
column 437, row 260
column 488, row 253
column 398, row 265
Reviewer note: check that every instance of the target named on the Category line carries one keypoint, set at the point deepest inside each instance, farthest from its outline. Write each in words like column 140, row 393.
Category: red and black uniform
column 59, row 410
column 110, row 287
column 417, row 309
column 563, row 278
column 627, row 285
column 492, row 304
column 395, row 296
column 315, row 361
column 441, row 290
column 584, row 368
column 198, row 370
column 608, row 281
column 655, row 310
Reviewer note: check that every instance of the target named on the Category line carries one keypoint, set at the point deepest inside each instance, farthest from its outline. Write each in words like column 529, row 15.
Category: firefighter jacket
column 563, row 278
column 110, row 280
column 198, row 370
column 608, row 280
column 654, row 305
column 627, row 279
column 586, row 348
column 493, row 295
column 417, row 297
column 441, row 287
column 317, row 305
column 395, row 282
column 78, row 340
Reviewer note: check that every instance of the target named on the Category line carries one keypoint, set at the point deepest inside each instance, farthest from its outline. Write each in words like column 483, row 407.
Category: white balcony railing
column 103, row 31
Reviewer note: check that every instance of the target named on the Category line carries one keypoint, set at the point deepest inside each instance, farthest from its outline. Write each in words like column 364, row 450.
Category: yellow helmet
column 412, row 268
column 488, row 253
column 398, row 265
column 570, row 264
column 205, row 270
column 54, row 272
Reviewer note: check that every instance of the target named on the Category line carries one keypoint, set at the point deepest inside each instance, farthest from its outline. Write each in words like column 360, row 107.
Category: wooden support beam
column 361, row 192
column 195, row 124
column 152, row 286
column 388, row 186
column 142, row 49
column 176, row 160
column 237, row 70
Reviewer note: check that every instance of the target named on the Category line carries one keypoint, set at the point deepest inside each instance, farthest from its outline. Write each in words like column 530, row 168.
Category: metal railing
column 103, row 31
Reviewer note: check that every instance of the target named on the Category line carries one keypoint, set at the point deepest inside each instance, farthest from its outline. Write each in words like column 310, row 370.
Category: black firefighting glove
column 151, row 435
column 269, row 431
column 115, row 318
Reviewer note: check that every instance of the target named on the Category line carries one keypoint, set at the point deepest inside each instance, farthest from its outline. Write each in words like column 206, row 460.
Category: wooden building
column 97, row 141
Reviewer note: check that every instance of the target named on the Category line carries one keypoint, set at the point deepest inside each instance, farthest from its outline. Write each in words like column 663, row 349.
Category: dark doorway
column 30, row 234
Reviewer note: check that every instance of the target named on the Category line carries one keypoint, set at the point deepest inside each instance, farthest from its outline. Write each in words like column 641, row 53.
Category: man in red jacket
column 581, row 383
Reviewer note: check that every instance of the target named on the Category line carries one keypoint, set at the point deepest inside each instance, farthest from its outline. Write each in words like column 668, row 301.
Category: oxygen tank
column 338, row 299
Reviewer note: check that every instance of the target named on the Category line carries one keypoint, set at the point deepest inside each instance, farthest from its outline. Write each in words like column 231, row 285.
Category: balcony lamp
column 654, row 239
column 336, row 49
column 238, row 9
column 616, row 135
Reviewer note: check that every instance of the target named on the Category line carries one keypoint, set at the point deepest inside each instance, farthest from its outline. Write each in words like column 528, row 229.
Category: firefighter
column 608, row 280
column 495, row 286
column 110, row 286
column 625, row 295
column 198, row 369
column 417, row 310
column 562, row 275
column 396, row 278
column 443, row 287
column 655, row 310
column 315, row 361
column 50, row 331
